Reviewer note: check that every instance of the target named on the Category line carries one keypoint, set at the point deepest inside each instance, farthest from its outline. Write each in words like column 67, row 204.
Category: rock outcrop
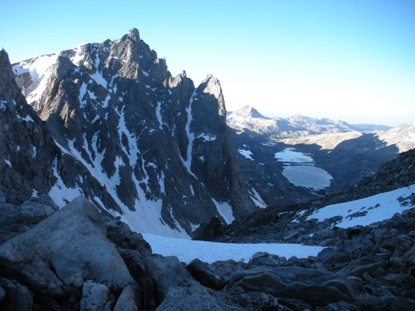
column 26, row 147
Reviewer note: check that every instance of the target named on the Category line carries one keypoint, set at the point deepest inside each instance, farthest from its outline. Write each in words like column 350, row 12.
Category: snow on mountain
column 39, row 69
column 366, row 211
column 141, row 144
column 326, row 141
column 187, row 250
column 250, row 120
column 403, row 137
column 247, row 154
column 247, row 118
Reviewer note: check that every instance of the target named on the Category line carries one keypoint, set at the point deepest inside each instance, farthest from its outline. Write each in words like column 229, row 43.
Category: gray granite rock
column 16, row 296
column 66, row 249
column 202, row 273
column 95, row 297
column 126, row 301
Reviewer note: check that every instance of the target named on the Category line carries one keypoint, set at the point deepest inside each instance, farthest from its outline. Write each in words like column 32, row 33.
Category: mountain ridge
column 248, row 119
column 157, row 145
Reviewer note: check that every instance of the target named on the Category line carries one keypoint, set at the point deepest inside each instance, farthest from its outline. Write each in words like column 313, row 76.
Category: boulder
column 193, row 298
column 201, row 272
column 410, row 255
column 167, row 272
column 120, row 234
column 315, row 287
column 64, row 250
column 2, row 197
column 176, row 290
column 95, row 297
column 2, row 293
column 126, row 301
column 15, row 296
column 41, row 208
column 209, row 231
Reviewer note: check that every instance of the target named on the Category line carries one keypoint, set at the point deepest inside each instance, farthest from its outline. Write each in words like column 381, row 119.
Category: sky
column 352, row 60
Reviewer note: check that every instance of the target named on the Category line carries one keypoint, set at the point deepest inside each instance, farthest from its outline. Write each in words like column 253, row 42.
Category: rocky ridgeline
column 119, row 129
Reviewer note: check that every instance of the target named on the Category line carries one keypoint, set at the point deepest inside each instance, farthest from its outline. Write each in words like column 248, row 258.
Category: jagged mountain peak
column 249, row 112
column 134, row 34
column 211, row 85
column 158, row 146
column 249, row 119
column 8, row 87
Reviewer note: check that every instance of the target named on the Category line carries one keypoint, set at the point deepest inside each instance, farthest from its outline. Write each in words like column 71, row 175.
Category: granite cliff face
column 136, row 141
column 26, row 147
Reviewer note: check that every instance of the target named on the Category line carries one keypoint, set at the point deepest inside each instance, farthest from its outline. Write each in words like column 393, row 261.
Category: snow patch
column 106, row 101
column 368, row 210
column 225, row 210
column 257, row 198
column 60, row 193
column 40, row 69
column 97, row 75
column 158, row 115
column 188, row 162
column 291, row 156
column 26, row 118
column 207, row 137
column 247, row 154
column 187, row 250
column 82, row 92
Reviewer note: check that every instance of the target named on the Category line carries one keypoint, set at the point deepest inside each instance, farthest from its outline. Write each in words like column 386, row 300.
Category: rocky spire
column 8, row 87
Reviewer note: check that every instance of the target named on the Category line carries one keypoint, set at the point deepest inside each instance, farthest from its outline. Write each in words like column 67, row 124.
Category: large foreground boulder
column 56, row 256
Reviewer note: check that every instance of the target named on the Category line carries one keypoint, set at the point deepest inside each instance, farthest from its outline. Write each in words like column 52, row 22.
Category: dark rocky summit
column 138, row 142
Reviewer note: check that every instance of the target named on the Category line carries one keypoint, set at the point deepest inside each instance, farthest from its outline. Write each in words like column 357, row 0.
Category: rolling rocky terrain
column 298, row 159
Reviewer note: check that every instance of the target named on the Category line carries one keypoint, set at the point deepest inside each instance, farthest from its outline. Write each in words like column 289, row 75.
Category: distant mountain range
column 248, row 119
column 272, row 153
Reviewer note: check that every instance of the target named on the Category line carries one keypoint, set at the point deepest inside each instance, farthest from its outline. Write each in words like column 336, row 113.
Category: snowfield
column 187, row 250
column 247, row 154
column 368, row 210
column 289, row 155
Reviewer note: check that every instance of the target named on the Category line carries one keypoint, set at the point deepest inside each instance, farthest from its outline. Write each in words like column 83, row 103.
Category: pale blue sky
column 352, row 60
